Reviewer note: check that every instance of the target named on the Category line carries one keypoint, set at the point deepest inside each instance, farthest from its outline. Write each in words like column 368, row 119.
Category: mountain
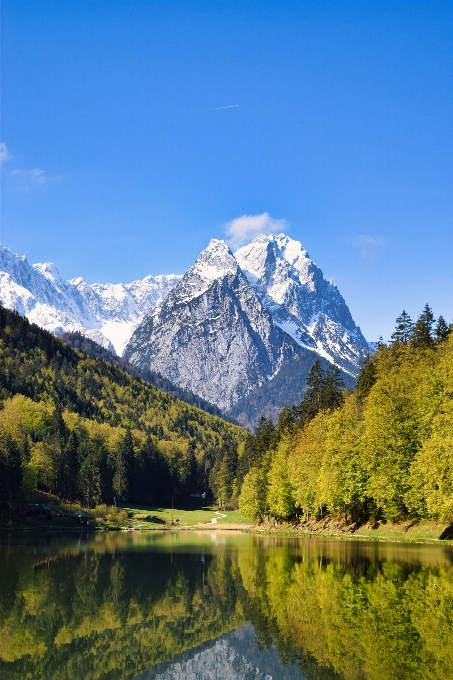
column 235, row 655
column 226, row 331
column 211, row 334
column 78, row 341
column 106, row 313
column 286, row 387
column 301, row 301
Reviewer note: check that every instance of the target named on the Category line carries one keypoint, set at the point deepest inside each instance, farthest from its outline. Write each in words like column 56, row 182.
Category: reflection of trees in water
column 337, row 609
column 378, row 620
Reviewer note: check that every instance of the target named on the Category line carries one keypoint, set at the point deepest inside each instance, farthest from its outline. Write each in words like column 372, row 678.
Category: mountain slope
column 211, row 334
column 301, row 301
column 106, row 313
column 286, row 387
column 78, row 341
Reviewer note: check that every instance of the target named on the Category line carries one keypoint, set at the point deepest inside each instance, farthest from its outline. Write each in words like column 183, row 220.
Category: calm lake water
column 214, row 605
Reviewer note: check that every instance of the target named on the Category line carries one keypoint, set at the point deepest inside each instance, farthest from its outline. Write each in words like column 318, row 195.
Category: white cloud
column 27, row 180
column 35, row 176
column 245, row 228
column 4, row 153
column 369, row 244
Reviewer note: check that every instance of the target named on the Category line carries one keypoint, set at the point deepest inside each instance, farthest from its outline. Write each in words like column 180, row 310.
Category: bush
column 109, row 514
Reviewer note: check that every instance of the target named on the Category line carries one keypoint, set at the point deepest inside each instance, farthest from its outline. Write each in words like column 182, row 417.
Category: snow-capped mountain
column 222, row 331
column 106, row 313
column 211, row 334
column 301, row 301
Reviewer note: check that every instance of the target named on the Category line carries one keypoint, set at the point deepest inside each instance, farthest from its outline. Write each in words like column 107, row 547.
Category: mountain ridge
column 211, row 334
column 222, row 331
column 106, row 313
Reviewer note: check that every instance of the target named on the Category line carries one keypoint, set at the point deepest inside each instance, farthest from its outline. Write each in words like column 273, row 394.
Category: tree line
column 383, row 451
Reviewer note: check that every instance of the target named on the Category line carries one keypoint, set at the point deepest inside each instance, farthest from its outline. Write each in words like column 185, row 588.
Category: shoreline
column 390, row 533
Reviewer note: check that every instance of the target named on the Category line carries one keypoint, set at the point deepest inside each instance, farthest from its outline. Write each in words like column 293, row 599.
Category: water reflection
column 176, row 605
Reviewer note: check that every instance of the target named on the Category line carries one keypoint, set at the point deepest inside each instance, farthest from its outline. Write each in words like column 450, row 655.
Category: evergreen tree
column 262, row 440
column 124, row 467
column 422, row 335
column 403, row 329
column 367, row 377
column 94, row 478
column 68, row 469
column 324, row 392
column 332, row 390
column 192, row 481
column 58, row 430
column 312, row 402
column 285, row 423
column 10, row 470
column 442, row 329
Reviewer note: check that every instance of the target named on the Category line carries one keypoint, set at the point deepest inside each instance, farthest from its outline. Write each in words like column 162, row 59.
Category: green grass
column 157, row 516
column 154, row 517
column 234, row 517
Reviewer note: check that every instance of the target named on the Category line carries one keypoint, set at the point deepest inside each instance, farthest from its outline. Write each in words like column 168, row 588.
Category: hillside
column 93, row 349
column 87, row 430
column 381, row 453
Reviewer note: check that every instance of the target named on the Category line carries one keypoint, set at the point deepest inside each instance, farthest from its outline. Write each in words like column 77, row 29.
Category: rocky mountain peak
column 302, row 302
column 49, row 271
column 214, row 263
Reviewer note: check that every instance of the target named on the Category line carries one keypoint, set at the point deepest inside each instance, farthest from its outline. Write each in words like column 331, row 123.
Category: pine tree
column 324, row 391
column 285, row 422
column 332, row 390
column 422, row 335
column 367, row 377
column 10, row 470
column 311, row 404
column 122, row 479
column 442, row 329
column 93, row 479
column 262, row 440
column 68, row 469
column 403, row 329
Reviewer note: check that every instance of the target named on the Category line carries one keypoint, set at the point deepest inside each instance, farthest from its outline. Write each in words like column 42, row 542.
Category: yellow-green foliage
column 390, row 452
column 86, row 430
column 380, row 626
column 113, row 607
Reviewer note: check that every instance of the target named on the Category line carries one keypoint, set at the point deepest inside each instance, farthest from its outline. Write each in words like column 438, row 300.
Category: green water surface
column 223, row 605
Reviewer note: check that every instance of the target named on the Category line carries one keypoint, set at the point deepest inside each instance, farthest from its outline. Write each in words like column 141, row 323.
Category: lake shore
column 143, row 519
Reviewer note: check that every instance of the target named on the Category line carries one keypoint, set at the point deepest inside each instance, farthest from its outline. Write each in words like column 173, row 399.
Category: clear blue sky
column 121, row 163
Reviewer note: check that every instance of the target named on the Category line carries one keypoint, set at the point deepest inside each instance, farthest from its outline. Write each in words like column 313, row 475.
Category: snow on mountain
column 221, row 331
column 211, row 334
column 105, row 313
column 301, row 301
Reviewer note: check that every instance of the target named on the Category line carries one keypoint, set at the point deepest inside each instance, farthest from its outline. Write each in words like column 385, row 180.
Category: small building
column 39, row 510
column 82, row 517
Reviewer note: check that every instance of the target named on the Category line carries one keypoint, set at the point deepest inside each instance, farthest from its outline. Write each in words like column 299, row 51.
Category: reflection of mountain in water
column 234, row 656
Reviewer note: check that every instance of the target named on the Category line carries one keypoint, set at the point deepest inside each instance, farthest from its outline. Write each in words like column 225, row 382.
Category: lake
column 214, row 605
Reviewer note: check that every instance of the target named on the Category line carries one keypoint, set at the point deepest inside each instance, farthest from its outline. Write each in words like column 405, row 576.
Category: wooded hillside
column 383, row 452
column 86, row 430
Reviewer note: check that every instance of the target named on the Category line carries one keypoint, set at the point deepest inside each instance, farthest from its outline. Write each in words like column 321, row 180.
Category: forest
column 384, row 451
column 85, row 430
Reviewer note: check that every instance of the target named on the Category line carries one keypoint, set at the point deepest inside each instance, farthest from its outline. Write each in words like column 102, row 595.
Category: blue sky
column 121, row 162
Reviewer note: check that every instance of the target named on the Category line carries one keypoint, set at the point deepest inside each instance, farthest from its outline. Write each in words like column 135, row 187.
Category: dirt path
column 214, row 519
